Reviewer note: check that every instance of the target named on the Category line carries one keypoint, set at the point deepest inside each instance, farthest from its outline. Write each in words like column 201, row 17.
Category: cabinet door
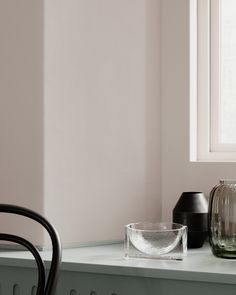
column 17, row 281
column 72, row 283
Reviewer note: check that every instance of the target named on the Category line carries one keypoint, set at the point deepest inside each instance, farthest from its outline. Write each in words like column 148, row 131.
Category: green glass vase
column 222, row 219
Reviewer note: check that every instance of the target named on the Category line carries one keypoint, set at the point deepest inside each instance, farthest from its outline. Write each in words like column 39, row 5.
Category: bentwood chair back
column 46, row 285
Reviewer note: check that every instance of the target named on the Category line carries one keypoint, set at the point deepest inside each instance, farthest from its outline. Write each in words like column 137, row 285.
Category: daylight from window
column 227, row 71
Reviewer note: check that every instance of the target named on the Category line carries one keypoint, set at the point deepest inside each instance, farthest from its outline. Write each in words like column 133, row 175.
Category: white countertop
column 199, row 265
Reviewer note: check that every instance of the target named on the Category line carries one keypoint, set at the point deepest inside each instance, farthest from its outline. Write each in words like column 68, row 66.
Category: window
column 213, row 76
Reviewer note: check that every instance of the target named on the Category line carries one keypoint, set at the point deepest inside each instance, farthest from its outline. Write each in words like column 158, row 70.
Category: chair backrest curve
column 34, row 251
column 52, row 279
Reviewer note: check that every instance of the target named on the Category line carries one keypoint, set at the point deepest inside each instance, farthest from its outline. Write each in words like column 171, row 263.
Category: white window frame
column 204, row 103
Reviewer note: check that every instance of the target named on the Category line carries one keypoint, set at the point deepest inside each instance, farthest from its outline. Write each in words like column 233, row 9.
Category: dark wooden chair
column 46, row 285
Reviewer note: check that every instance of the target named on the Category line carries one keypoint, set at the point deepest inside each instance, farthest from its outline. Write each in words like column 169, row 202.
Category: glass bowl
column 156, row 240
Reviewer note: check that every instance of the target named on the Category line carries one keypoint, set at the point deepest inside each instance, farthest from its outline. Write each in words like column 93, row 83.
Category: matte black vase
column 192, row 210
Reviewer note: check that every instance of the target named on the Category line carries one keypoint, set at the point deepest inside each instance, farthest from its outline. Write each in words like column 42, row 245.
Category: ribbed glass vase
column 222, row 219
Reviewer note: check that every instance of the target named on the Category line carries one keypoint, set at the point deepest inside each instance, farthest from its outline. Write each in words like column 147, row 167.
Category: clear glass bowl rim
column 178, row 225
column 227, row 181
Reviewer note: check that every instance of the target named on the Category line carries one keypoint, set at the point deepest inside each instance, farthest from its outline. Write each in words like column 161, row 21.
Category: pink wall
column 80, row 114
column 21, row 109
column 102, row 116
